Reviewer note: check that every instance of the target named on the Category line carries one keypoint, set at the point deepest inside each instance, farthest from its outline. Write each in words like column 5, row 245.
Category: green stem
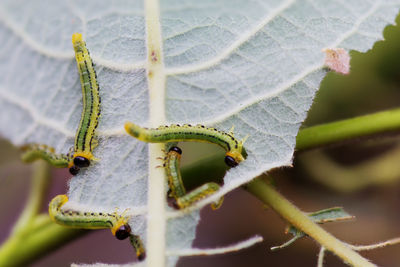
column 328, row 133
column 268, row 195
column 38, row 189
column 35, row 234
column 17, row 251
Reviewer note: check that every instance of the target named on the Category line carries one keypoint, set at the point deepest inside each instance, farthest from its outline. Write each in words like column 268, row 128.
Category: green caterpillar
column 95, row 220
column 33, row 152
column 182, row 199
column 84, row 138
column 235, row 152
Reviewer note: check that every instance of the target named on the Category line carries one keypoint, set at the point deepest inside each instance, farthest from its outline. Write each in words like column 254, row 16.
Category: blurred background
column 363, row 176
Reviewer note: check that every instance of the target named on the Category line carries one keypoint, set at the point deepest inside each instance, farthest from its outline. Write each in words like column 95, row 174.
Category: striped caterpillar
column 94, row 220
column 235, row 152
column 182, row 199
column 84, row 138
column 33, row 152
column 85, row 135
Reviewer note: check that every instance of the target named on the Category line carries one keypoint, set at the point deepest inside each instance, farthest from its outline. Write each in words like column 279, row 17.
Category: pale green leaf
column 334, row 214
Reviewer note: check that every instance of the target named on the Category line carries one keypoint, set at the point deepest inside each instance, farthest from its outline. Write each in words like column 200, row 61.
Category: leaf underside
column 252, row 65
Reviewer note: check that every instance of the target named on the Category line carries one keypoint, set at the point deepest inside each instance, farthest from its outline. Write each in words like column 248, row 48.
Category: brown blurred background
column 362, row 176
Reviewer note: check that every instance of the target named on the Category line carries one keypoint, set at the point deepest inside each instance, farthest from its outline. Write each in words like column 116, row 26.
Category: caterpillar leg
column 217, row 204
column 95, row 142
column 34, row 152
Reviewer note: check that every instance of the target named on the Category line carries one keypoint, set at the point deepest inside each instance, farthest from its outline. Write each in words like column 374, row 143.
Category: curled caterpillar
column 182, row 199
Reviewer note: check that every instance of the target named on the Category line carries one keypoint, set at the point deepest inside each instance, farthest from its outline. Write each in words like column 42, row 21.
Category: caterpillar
column 182, row 199
column 235, row 152
column 84, row 138
column 95, row 220
column 33, row 152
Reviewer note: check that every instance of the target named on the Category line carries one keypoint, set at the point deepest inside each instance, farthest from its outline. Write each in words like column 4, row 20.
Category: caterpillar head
column 121, row 230
column 80, row 160
column 234, row 157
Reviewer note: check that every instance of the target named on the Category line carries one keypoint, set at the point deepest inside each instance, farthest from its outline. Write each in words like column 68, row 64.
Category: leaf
column 254, row 65
column 330, row 215
column 334, row 214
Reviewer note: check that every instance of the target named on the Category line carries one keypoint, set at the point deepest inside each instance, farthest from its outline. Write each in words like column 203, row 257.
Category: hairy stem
column 268, row 195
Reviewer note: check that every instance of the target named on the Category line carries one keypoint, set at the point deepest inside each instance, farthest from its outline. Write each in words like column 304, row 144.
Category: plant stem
column 268, row 195
column 39, row 186
column 20, row 250
column 328, row 133
column 34, row 234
